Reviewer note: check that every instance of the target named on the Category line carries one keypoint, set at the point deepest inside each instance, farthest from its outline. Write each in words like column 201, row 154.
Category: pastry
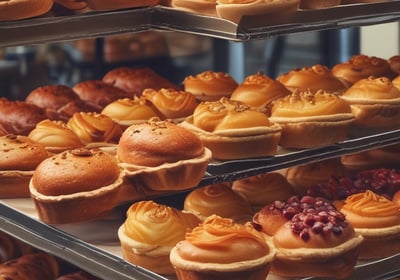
column 218, row 199
column 360, row 67
column 377, row 219
column 221, row 249
column 396, row 198
column 149, row 233
column 12, row 248
column 394, row 63
column 312, row 79
column 19, row 157
column 311, row 237
column 259, row 91
column 171, row 103
column 311, row 119
column 203, row 7
column 76, row 185
column 318, row 4
column 119, row 4
column 262, row 189
column 55, row 136
column 233, row 130
column 22, row 9
column 210, row 85
column 160, row 155
column 78, row 275
column 374, row 102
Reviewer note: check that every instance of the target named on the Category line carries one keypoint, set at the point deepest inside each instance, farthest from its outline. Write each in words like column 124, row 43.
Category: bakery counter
column 99, row 24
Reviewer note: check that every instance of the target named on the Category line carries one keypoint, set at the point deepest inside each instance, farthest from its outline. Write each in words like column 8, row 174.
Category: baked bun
column 59, row 102
column 128, row 111
column 22, row 9
column 203, row 7
column 149, row 233
column 19, row 117
column 74, row 5
column 98, row 94
column 262, row 189
column 221, row 249
column 237, row 9
column 119, row 4
column 55, row 136
column 377, row 219
column 311, row 120
column 75, row 185
column 375, row 103
column 311, row 237
column 135, row 80
column 171, row 103
column 394, row 63
column 259, row 91
column 301, row 177
column 218, row 199
column 360, row 67
column 161, row 155
column 312, row 78
column 233, row 130
column 19, row 157
column 209, row 85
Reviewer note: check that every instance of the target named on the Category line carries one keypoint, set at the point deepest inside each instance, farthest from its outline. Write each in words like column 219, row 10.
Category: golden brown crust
column 119, row 4
column 205, row 7
column 74, row 5
column 396, row 198
column 21, row 9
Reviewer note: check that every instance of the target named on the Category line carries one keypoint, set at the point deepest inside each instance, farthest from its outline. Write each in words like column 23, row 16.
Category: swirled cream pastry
column 203, row 7
column 312, row 78
column 222, row 249
column 360, row 67
column 129, row 111
column 311, row 120
column 259, row 91
column 55, row 136
column 96, row 130
column 377, row 219
column 210, row 85
column 235, row 10
column 233, row 130
column 262, row 189
column 149, row 233
column 375, row 103
column 218, row 199
column 171, row 103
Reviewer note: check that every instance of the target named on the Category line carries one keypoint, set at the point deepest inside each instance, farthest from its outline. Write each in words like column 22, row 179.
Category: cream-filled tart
column 149, row 233
column 311, row 119
column 222, row 249
column 233, row 130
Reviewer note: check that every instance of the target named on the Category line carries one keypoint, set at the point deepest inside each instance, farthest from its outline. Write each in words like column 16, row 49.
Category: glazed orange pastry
column 209, row 85
column 259, row 91
column 311, row 119
column 233, row 130
column 312, row 78
column 149, row 233
column 377, row 219
column 221, row 249
column 375, row 103
column 55, row 136
column 171, row 103
column 218, row 199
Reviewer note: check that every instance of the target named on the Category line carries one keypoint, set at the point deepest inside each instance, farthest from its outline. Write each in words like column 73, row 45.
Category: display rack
column 105, row 264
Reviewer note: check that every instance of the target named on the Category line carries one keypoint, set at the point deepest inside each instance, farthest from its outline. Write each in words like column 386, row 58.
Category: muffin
column 262, row 189
column 162, row 156
column 221, row 249
column 218, row 199
column 374, row 102
column 76, row 185
column 377, row 219
column 312, row 79
column 210, row 85
column 361, row 67
column 149, row 233
column 233, row 130
column 171, row 104
column 311, row 120
column 55, row 136
column 128, row 111
column 311, row 237
column 19, row 157
column 259, row 91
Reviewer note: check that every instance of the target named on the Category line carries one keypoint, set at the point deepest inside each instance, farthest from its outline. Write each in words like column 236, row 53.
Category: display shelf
column 99, row 24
